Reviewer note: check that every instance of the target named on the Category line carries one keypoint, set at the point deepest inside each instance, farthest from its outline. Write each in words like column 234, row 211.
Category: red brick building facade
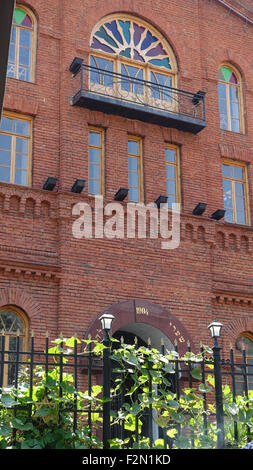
column 57, row 283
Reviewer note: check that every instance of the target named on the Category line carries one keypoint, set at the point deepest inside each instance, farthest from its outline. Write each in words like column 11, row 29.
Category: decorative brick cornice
column 33, row 270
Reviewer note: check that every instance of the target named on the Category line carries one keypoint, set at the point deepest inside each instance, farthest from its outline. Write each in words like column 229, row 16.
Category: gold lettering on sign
column 177, row 333
column 142, row 311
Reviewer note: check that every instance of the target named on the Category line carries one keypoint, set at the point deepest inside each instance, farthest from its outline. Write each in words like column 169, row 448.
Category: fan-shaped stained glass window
column 139, row 54
column 130, row 39
column 13, row 329
column 21, row 50
column 229, row 99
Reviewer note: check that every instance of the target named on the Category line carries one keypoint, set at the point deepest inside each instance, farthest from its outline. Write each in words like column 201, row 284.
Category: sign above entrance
column 140, row 311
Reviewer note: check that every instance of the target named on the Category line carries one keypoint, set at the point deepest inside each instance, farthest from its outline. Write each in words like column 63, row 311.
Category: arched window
column 21, row 62
column 244, row 342
column 129, row 47
column 14, row 331
column 230, row 99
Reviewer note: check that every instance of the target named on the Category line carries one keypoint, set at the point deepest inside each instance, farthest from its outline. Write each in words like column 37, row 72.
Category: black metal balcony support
column 132, row 98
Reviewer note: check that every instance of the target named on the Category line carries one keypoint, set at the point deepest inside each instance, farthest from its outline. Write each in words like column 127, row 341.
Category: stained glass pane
column 114, row 29
column 138, row 30
column 233, row 78
column 158, row 50
column 103, row 34
column 21, row 18
column 149, row 39
column 96, row 44
column 112, row 35
column 19, row 15
column 125, row 25
column 161, row 62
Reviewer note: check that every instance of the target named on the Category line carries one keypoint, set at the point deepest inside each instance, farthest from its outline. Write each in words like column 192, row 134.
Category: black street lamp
column 106, row 324
column 215, row 329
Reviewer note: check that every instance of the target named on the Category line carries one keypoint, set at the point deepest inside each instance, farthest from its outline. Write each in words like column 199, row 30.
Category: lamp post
column 215, row 329
column 106, row 324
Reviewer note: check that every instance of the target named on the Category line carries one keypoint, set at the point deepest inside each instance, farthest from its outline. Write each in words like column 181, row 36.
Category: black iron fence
column 93, row 370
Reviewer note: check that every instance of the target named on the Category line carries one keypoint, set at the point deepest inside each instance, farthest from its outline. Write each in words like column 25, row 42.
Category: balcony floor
column 131, row 110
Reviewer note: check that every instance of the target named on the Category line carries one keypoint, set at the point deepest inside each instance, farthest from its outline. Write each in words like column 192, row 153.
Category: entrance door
column 129, row 337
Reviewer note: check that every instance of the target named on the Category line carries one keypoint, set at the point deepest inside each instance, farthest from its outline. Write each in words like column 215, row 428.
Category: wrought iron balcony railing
column 133, row 98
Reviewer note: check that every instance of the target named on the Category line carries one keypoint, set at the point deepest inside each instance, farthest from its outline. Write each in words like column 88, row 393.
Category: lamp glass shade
column 215, row 328
column 106, row 321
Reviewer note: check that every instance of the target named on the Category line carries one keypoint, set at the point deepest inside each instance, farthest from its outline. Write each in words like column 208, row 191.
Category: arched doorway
column 144, row 319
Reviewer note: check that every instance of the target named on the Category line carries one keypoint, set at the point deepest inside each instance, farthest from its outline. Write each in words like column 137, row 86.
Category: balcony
column 113, row 93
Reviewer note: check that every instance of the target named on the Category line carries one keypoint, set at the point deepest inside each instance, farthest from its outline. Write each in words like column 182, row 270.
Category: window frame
column 29, row 119
column 22, row 316
column 101, row 148
column 32, row 48
column 238, row 358
column 139, row 140
column 177, row 168
column 145, row 67
column 245, row 183
column 228, row 103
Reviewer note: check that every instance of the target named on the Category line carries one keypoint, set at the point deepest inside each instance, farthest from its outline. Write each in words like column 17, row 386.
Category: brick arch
column 99, row 10
column 220, row 56
column 236, row 327
column 143, row 311
column 21, row 299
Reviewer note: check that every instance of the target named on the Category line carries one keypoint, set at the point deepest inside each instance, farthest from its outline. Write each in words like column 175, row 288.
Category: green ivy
column 142, row 376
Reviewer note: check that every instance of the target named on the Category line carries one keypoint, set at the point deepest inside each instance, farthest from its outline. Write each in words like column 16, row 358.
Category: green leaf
column 135, row 409
column 196, row 373
column 7, row 400
column 45, row 411
column 18, row 424
column 172, row 433
column 173, row 404
column 205, row 388
column 5, row 430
